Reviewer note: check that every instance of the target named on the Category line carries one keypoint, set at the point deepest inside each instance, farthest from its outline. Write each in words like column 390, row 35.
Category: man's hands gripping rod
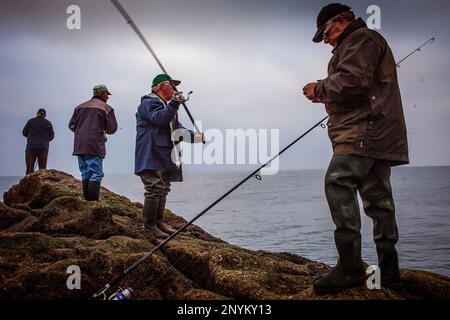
column 179, row 97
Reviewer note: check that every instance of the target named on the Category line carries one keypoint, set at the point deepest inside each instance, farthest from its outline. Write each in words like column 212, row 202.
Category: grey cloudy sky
column 245, row 60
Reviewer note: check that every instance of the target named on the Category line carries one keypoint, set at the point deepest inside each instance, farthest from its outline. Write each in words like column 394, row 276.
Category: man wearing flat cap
column 91, row 122
column 157, row 158
column 368, row 135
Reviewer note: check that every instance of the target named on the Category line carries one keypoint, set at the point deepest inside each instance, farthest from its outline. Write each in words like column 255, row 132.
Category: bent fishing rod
column 138, row 32
column 255, row 173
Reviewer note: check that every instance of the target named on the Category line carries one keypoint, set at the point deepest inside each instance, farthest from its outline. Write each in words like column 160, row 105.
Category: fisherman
column 39, row 132
column 157, row 158
column 91, row 121
column 368, row 135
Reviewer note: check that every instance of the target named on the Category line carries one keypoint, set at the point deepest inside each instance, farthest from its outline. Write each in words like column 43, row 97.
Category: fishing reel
column 189, row 95
column 180, row 98
column 121, row 294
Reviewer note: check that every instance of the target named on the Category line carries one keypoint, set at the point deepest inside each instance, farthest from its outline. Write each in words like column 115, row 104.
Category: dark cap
column 42, row 112
column 328, row 12
column 164, row 77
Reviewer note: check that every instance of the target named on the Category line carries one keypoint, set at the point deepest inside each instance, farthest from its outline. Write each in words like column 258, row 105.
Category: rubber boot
column 388, row 263
column 340, row 188
column 94, row 190
column 376, row 193
column 159, row 219
column 385, row 234
column 150, row 213
column 348, row 273
column 86, row 189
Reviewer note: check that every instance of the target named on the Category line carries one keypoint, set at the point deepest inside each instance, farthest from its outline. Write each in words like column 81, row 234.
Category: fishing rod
column 184, row 226
column 138, row 32
column 255, row 173
column 430, row 41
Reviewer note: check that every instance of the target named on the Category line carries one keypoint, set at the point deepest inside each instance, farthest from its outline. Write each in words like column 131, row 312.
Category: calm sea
column 288, row 212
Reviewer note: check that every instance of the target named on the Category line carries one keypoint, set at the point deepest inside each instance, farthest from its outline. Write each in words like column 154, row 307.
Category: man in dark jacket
column 39, row 132
column 368, row 134
column 157, row 158
column 91, row 121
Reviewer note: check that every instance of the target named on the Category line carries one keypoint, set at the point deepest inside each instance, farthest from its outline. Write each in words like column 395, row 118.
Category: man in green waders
column 368, row 134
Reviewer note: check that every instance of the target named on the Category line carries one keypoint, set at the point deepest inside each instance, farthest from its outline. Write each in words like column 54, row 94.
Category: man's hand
column 310, row 93
column 178, row 96
column 199, row 137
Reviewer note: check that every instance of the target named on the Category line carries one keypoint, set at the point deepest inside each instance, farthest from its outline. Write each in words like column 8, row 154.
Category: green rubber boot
column 150, row 213
column 159, row 219
column 341, row 277
column 341, row 183
column 376, row 193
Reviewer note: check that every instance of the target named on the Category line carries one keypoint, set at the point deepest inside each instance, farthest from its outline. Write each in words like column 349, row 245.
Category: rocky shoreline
column 46, row 226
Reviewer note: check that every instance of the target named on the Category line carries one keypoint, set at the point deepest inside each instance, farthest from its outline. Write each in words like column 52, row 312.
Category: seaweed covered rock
column 46, row 227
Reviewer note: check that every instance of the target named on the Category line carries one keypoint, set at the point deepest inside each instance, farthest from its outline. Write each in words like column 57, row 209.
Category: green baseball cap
column 102, row 87
column 164, row 77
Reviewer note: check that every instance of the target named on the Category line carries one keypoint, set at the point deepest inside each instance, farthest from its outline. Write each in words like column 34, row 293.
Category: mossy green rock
column 46, row 227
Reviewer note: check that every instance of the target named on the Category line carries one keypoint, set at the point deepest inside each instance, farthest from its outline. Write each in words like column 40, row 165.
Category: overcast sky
column 245, row 61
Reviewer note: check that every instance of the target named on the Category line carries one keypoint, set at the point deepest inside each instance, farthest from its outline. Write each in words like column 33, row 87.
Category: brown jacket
column 91, row 121
column 362, row 97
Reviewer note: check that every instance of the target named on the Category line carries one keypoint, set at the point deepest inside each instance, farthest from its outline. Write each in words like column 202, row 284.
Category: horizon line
column 242, row 170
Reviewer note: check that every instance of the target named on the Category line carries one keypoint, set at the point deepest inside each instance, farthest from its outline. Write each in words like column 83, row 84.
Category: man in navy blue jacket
column 39, row 132
column 157, row 158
